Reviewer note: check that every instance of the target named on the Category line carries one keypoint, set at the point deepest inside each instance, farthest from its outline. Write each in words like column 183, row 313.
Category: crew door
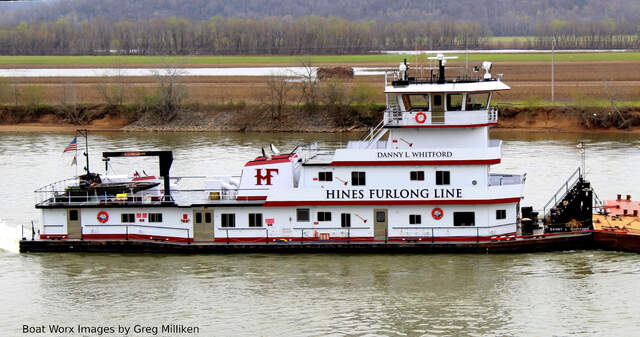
column 437, row 108
column 202, row 225
column 380, row 223
column 74, row 229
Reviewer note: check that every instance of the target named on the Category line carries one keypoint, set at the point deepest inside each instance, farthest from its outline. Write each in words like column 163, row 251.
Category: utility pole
column 553, row 80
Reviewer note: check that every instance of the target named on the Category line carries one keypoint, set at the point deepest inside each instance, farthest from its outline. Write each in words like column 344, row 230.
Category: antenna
column 442, row 60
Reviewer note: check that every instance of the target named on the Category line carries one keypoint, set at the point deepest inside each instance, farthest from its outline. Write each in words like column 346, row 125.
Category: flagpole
column 75, row 158
column 85, row 133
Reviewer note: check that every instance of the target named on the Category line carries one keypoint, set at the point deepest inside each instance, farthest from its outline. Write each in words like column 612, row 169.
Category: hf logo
column 266, row 178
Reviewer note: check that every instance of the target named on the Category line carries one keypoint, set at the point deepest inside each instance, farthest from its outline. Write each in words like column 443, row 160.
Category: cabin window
column 380, row 216
column 207, row 217
column 73, row 215
column 255, row 219
column 155, row 217
column 443, row 178
column 325, row 176
column 501, row 214
column 477, row 101
column 416, row 102
column 345, row 220
column 464, row 218
column 302, row 215
column 358, row 178
column 228, row 220
column 454, row 102
column 415, row 219
column 324, row 216
column 198, row 217
column 416, row 175
column 127, row 218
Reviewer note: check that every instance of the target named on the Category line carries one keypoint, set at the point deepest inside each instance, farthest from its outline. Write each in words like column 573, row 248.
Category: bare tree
column 309, row 90
column 113, row 87
column 171, row 92
column 279, row 91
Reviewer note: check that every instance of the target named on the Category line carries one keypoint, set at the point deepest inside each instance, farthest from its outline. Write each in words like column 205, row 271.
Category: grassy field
column 52, row 61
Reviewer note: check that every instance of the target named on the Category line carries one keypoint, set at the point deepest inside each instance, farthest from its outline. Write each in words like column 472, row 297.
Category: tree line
column 503, row 17
column 218, row 35
column 291, row 36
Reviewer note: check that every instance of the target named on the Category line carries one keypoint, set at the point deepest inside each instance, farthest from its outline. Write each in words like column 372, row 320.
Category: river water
column 589, row 293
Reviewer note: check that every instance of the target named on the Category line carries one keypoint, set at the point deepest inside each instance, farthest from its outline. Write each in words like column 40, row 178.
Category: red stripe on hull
column 447, row 126
column 387, row 202
column 53, row 236
column 416, row 162
column 252, row 198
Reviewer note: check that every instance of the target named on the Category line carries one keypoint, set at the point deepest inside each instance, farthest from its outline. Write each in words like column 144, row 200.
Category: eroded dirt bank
column 261, row 119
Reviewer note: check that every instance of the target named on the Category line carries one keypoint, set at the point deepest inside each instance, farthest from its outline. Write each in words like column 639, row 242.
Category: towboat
column 422, row 176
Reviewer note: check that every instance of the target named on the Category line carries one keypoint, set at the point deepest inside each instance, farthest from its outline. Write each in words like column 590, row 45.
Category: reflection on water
column 310, row 295
column 567, row 293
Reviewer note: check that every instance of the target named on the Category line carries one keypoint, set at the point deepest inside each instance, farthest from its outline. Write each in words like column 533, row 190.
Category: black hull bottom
column 556, row 243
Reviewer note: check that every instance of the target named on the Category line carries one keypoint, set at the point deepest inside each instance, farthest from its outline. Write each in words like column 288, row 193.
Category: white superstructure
column 422, row 174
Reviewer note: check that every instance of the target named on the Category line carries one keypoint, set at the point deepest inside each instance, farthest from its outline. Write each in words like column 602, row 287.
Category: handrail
column 455, row 227
column 566, row 188
column 64, row 197
column 126, row 226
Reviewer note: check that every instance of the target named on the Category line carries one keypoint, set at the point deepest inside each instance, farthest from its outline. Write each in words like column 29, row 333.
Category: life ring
column 103, row 217
column 437, row 213
column 421, row 117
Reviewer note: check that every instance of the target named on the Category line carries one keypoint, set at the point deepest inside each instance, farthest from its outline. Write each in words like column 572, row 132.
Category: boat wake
column 9, row 238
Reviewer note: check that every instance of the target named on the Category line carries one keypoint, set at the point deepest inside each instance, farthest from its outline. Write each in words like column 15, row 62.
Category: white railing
column 493, row 115
column 392, row 117
column 307, row 151
column 178, row 196
column 432, row 232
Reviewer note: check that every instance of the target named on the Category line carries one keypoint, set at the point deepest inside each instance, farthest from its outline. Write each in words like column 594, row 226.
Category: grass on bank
column 296, row 59
column 535, row 102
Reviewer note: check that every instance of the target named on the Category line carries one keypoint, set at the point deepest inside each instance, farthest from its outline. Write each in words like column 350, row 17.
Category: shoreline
column 562, row 119
column 67, row 128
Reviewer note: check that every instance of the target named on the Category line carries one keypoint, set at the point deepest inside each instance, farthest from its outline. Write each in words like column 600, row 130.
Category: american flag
column 73, row 146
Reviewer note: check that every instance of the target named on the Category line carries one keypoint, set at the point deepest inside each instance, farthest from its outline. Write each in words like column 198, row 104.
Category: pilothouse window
column 477, row 101
column 416, row 102
column 454, row 102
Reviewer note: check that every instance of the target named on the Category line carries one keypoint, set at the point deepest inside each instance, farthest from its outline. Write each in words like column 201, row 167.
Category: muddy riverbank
column 263, row 118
